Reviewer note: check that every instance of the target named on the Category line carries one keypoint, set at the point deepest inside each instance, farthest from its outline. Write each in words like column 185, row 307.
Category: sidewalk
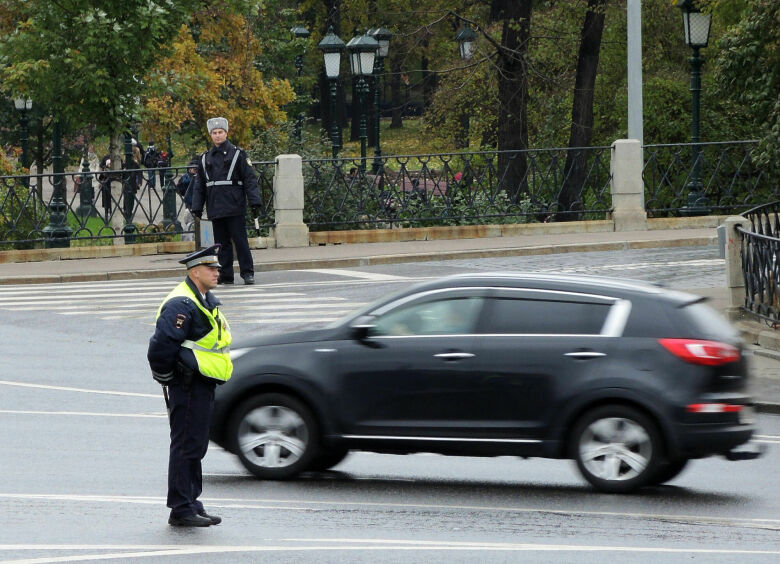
column 765, row 386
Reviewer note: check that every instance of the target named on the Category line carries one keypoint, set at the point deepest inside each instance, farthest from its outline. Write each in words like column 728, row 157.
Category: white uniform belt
column 224, row 183
column 196, row 347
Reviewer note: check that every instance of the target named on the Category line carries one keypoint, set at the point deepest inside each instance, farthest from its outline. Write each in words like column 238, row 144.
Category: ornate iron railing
column 457, row 189
column 760, row 251
column 730, row 178
column 97, row 208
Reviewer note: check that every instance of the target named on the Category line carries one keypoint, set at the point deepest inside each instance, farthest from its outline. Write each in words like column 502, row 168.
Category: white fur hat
column 217, row 123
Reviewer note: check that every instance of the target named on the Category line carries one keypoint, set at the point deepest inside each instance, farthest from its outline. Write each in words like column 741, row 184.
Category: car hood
column 309, row 336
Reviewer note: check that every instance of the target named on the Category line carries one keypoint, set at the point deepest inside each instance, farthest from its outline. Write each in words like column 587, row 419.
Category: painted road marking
column 351, row 545
column 357, row 274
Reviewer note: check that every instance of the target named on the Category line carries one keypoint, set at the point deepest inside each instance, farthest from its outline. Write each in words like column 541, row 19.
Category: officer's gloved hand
column 198, row 214
column 255, row 211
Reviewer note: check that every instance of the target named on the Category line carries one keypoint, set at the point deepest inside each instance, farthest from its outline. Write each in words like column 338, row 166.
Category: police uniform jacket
column 180, row 319
column 224, row 200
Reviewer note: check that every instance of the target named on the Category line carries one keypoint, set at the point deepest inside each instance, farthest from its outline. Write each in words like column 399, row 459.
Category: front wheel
column 617, row 448
column 274, row 435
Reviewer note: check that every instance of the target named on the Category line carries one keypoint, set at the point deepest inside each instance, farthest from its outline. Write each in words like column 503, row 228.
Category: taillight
column 713, row 408
column 706, row 353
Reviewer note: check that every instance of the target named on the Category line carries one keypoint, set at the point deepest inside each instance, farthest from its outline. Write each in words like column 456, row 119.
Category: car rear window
column 709, row 323
column 544, row 317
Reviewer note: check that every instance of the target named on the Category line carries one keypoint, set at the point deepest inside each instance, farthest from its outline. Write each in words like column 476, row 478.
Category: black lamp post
column 299, row 32
column 57, row 232
column 383, row 37
column 332, row 47
column 696, row 26
column 362, row 50
column 24, row 105
column 467, row 41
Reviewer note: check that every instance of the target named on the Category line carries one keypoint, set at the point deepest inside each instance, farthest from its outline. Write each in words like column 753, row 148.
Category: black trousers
column 190, row 418
column 229, row 231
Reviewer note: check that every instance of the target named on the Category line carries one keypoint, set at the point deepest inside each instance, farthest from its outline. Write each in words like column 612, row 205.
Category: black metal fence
column 539, row 185
column 730, row 178
column 457, row 189
column 97, row 208
column 761, row 261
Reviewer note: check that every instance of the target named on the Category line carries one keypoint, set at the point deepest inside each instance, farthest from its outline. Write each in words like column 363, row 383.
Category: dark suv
column 629, row 380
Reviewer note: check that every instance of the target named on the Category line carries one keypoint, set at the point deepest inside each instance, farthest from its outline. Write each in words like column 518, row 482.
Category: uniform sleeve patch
column 180, row 319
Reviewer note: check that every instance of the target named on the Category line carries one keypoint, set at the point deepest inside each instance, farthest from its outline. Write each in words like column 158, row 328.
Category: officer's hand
column 255, row 211
column 198, row 214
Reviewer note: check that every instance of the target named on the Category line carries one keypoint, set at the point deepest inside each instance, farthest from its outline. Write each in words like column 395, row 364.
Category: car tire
column 668, row 470
column 274, row 435
column 617, row 448
column 328, row 458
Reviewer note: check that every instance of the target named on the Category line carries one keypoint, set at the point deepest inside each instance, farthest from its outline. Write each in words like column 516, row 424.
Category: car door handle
column 584, row 355
column 453, row 355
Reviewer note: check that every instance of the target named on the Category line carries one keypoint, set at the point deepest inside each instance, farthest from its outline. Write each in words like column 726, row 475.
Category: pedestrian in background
column 189, row 355
column 151, row 156
column 224, row 182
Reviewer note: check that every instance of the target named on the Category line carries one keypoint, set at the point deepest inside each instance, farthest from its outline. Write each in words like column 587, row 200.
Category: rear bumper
column 697, row 441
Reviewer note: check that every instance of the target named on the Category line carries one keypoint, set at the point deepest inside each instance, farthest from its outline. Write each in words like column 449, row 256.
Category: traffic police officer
column 224, row 182
column 189, row 356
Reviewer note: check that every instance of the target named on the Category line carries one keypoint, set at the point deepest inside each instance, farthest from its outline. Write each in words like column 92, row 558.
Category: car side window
column 544, row 317
column 441, row 317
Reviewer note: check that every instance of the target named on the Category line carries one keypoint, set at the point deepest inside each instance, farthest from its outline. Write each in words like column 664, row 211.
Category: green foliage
column 748, row 73
column 82, row 59
column 21, row 214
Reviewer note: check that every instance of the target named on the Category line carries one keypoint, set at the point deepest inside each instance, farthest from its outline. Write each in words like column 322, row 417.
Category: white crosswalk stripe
column 139, row 300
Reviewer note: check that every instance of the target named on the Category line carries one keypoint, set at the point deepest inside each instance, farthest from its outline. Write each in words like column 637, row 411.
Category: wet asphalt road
column 83, row 451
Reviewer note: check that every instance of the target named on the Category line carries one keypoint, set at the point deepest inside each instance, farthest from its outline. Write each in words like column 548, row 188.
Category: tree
column 82, row 59
column 214, row 76
column 582, row 107
column 748, row 72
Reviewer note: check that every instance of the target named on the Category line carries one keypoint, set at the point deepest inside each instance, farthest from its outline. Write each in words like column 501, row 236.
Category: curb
column 306, row 264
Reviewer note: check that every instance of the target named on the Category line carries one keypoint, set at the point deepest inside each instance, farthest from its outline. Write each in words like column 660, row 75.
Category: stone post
column 735, row 280
column 289, row 229
column 628, row 189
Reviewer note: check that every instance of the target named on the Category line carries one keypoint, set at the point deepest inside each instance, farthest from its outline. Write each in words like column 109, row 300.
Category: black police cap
column 204, row 256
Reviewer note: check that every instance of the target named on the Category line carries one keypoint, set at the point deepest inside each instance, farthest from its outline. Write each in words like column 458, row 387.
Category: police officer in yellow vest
column 189, row 356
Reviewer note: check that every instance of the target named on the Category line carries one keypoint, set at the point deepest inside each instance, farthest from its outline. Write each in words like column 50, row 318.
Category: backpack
column 151, row 156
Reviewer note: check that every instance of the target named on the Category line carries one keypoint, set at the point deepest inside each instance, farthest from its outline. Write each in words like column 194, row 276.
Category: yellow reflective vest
column 212, row 351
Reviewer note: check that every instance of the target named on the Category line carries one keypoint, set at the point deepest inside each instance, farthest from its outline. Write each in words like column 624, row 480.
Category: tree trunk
column 513, row 94
column 115, row 147
column 575, row 169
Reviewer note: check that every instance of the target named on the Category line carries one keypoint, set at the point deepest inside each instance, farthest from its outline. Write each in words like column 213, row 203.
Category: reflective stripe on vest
column 227, row 182
column 212, row 351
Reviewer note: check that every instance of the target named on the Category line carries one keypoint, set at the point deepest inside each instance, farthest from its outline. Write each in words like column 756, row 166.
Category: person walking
column 189, row 354
column 224, row 182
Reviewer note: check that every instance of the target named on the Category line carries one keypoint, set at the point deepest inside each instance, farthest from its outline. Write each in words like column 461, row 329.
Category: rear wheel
column 617, row 448
column 274, row 435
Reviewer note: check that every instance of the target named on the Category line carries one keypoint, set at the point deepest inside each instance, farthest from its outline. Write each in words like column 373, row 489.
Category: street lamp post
column 332, row 47
column 383, row 37
column 467, row 40
column 696, row 26
column 170, row 217
column 362, row 50
column 24, row 105
column 128, row 194
column 299, row 32
column 57, row 232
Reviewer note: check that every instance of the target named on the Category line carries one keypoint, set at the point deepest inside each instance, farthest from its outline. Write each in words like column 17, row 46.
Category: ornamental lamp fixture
column 383, row 37
column 696, row 25
column 332, row 47
column 22, row 104
column 362, row 50
column 300, row 32
column 467, row 41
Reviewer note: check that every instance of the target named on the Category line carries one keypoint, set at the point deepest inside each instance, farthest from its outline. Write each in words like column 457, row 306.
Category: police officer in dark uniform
column 224, row 182
column 189, row 356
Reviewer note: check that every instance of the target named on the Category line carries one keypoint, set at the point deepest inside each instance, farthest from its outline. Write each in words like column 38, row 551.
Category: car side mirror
column 361, row 328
